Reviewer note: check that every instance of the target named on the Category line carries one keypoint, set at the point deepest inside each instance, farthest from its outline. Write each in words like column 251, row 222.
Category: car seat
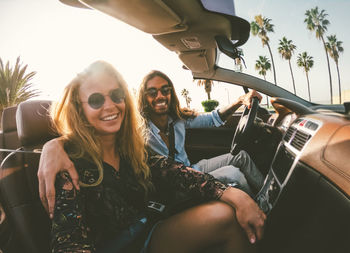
column 8, row 140
column 19, row 183
column 9, row 137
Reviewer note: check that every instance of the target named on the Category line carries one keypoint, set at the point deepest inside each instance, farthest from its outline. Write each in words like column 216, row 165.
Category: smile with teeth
column 110, row 117
column 161, row 103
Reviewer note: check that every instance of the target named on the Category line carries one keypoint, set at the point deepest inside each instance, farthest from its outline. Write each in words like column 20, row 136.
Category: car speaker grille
column 289, row 133
column 299, row 140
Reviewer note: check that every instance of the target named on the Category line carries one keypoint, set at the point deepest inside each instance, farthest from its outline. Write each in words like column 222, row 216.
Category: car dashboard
column 306, row 193
column 295, row 139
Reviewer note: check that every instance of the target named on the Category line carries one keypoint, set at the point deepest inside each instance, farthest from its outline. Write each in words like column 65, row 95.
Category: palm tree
column 207, row 85
column 15, row 86
column 334, row 47
column 261, row 26
column 316, row 21
column 306, row 61
column 263, row 65
column 286, row 49
column 185, row 93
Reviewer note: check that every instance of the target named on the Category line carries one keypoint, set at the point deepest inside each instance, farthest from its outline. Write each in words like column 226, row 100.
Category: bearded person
column 167, row 123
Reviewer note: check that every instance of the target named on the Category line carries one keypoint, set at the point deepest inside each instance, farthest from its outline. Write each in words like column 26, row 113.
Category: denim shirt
column 156, row 143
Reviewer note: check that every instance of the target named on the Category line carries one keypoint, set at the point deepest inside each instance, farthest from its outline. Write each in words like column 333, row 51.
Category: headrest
column 9, row 119
column 33, row 123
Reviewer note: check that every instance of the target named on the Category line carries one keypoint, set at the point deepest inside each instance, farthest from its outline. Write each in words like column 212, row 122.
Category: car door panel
column 210, row 142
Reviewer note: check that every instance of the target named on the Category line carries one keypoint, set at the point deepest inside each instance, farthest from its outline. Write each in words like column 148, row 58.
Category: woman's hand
column 53, row 160
column 249, row 215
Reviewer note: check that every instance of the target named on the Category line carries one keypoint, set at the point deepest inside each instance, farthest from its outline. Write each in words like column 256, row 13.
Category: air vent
column 289, row 133
column 300, row 139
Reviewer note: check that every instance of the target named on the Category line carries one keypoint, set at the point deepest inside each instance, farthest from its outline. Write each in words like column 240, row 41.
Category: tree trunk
column 1, row 119
column 267, row 97
column 273, row 63
column 329, row 70
column 336, row 63
column 208, row 93
column 207, row 87
column 291, row 72
column 308, row 85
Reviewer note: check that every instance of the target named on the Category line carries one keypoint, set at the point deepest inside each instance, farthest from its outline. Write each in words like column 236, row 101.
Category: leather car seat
column 9, row 130
column 8, row 140
column 19, row 183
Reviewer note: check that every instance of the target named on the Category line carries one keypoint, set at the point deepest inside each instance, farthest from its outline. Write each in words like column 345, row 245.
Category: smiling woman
column 101, row 91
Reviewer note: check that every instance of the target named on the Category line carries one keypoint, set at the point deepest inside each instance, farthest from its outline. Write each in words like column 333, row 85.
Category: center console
column 288, row 153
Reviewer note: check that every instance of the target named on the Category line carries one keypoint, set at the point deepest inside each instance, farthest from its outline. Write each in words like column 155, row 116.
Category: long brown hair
column 71, row 123
column 175, row 111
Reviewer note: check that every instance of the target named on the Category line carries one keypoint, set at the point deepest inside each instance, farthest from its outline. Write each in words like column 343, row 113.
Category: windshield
column 288, row 45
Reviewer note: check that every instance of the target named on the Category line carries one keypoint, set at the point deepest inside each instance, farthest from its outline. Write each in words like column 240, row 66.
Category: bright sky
column 288, row 18
column 58, row 41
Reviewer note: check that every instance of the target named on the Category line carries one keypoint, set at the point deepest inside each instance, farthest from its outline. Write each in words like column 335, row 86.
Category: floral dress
column 88, row 219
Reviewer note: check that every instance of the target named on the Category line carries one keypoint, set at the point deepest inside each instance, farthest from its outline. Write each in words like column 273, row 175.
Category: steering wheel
column 244, row 127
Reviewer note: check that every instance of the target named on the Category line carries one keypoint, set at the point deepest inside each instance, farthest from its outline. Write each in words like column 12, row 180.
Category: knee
column 228, row 174
column 243, row 155
column 221, row 215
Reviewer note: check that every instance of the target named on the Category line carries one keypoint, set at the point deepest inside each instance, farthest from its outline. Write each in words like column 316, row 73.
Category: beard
column 159, row 107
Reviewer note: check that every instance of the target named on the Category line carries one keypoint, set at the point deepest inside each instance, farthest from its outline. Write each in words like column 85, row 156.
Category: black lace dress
column 86, row 220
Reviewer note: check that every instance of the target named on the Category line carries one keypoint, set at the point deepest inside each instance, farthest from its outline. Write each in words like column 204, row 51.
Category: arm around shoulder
column 53, row 160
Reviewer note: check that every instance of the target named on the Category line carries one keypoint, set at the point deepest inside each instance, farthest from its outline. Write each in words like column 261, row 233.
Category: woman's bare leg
column 211, row 225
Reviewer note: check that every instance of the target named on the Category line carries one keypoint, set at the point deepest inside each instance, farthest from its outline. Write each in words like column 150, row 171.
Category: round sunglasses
column 97, row 100
column 153, row 92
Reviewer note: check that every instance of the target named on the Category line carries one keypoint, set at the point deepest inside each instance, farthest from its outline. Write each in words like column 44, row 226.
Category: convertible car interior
column 301, row 147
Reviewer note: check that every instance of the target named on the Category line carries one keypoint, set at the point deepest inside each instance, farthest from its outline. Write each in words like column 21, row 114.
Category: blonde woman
column 103, row 135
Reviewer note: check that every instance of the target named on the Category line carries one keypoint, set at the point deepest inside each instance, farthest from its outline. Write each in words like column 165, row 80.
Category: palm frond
column 15, row 86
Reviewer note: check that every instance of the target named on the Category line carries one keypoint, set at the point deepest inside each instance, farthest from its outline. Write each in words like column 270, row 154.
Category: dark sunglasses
column 96, row 100
column 153, row 92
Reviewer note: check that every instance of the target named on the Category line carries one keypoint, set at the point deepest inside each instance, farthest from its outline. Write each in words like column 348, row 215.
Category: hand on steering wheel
column 244, row 126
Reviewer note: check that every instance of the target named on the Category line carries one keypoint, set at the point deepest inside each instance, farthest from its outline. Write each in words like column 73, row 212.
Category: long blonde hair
column 70, row 122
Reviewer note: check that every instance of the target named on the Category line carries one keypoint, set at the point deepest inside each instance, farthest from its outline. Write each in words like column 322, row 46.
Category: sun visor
column 150, row 16
column 198, row 61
